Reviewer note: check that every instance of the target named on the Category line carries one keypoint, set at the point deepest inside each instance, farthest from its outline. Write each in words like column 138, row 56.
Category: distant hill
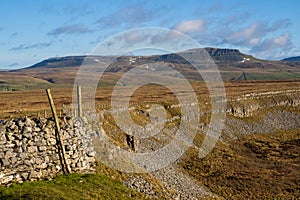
column 232, row 64
column 292, row 59
column 68, row 61
column 223, row 55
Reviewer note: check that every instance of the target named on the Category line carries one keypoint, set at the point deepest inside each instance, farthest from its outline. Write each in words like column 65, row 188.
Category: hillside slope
column 296, row 58
column 232, row 64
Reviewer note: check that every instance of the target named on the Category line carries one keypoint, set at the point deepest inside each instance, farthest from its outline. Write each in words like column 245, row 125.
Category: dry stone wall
column 29, row 149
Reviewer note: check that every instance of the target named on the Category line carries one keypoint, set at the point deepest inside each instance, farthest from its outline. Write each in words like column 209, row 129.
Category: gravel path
column 185, row 186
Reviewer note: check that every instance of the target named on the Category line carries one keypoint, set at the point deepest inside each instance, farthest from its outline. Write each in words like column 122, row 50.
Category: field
column 32, row 102
column 247, row 166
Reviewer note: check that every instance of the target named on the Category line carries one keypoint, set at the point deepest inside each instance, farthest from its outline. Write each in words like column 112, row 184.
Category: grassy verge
column 74, row 186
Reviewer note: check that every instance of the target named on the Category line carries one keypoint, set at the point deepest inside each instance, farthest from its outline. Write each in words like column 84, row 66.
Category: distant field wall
column 29, row 149
column 250, row 104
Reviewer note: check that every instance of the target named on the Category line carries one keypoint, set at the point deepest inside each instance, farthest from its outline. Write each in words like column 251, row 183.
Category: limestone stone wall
column 29, row 149
column 244, row 108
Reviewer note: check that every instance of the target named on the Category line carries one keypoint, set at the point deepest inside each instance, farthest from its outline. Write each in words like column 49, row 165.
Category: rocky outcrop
column 248, row 104
column 272, row 121
column 29, row 149
column 225, row 54
column 243, row 111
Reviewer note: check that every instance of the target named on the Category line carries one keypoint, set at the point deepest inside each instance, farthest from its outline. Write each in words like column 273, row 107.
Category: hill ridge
column 217, row 54
column 294, row 58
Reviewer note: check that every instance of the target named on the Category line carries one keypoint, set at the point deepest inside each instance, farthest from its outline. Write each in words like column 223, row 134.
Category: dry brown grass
column 31, row 102
column 260, row 166
column 255, row 166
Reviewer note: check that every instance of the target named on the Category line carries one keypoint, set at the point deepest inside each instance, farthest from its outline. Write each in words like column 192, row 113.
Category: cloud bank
column 32, row 46
column 70, row 29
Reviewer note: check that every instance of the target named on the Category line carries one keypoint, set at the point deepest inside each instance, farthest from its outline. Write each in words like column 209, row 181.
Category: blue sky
column 31, row 31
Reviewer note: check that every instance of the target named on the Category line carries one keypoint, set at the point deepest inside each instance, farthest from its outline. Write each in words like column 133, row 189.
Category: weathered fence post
column 79, row 101
column 66, row 168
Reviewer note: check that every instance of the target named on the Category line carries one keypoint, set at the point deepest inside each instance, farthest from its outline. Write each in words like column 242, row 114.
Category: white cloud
column 255, row 33
column 278, row 47
column 247, row 32
column 254, row 41
column 282, row 40
column 191, row 26
column 136, row 37
column 274, row 43
column 248, row 36
column 263, row 39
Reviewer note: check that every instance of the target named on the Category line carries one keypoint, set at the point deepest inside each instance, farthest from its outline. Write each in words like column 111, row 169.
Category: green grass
column 74, row 186
column 16, row 86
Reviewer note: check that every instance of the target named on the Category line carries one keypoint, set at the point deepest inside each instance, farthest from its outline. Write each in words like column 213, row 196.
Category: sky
column 31, row 31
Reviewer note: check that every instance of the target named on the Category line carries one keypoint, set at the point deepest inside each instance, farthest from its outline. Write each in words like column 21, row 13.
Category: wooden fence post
column 66, row 168
column 79, row 101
